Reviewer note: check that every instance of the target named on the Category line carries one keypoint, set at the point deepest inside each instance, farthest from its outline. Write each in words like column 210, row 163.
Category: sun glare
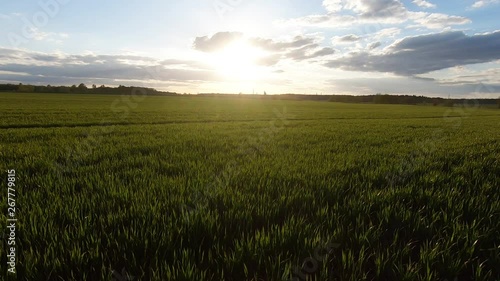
column 238, row 61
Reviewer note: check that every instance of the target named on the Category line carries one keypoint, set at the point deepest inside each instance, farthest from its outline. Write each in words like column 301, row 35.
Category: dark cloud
column 45, row 57
column 56, row 68
column 300, row 53
column 375, row 9
column 7, row 53
column 216, row 42
column 323, row 52
column 422, row 54
column 305, row 53
column 374, row 45
column 347, row 38
column 109, row 71
column 298, row 49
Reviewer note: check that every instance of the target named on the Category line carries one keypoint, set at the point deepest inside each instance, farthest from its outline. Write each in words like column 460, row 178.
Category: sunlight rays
column 238, row 61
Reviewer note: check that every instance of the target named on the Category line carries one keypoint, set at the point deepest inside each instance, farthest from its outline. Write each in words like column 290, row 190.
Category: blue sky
column 434, row 48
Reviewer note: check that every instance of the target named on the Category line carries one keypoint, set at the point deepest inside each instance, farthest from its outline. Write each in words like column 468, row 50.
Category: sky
column 358, row 47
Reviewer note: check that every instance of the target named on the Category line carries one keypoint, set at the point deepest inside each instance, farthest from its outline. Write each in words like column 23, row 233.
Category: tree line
column 414, row 100
column 81, row 89
column 374, row 99
column 377, row 99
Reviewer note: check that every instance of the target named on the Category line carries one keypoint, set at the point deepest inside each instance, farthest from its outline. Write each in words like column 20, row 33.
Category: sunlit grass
column 187, row 188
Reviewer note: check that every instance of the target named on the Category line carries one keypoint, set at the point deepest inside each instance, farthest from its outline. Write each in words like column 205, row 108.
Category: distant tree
column 64, row 89
column 25, row 88
column 498, row 102
column 82, row 87
column 94, row 86
column 449, row 103
column 8, row 87
column 381, row 99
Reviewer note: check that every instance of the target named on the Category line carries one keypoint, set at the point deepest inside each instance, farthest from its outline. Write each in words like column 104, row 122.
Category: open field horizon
column 102, row 109
column 202, row 188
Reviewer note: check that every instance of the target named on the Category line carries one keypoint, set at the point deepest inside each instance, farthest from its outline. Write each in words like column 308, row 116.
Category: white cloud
column 298, row 48
column 488, row 73
column 436, row 20
column 54, row 37
column 424, row 4
column 387, row 33
column 489, row 76
column 343, row 13
column 333, row 5
column 413, row 86
column 482, row 3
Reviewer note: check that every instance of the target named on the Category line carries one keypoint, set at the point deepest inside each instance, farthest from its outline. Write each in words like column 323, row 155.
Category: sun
column 238, row 60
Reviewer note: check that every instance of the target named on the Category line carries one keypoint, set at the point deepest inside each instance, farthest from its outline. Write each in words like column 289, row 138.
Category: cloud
column 422, row 54
column 387, row 33
column 376, row 9
column 280, row 46
column 348, row 12
column 39, row 35
column 216, row 42
column 269, row 60
column 424, row 4
column 308, row 52
column 333, row 5
column 298, row 48
column 342, row 13
column 54, row 68
column 374, row 45
column 61, row 68
column 464, row 76
column 483, row 3
column 346, row 39
column 412, row 86
column 437, row 21
column 354, row 43
column 323, row 52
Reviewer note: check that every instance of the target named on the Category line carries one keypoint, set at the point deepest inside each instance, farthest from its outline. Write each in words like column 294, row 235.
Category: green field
column 200, row 188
